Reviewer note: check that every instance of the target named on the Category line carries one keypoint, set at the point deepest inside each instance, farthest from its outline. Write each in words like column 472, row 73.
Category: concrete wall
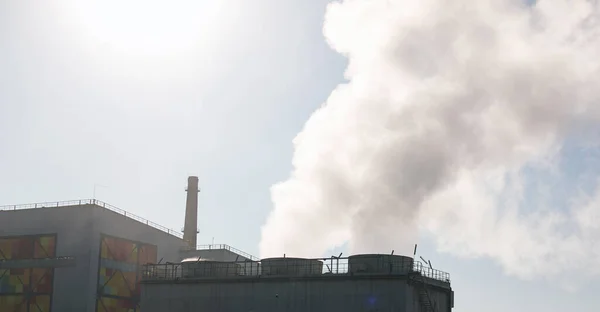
column 283, row 294
column 440, row 298
column 78, row 230
column 73, row 228
column 277, row 295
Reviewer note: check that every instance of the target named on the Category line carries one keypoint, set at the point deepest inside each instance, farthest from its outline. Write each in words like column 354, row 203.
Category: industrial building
column 89, row 256
column 86, row 255
column 356, row 283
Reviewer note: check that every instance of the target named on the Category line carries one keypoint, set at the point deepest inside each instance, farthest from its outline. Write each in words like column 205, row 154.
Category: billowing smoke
column 448, row 102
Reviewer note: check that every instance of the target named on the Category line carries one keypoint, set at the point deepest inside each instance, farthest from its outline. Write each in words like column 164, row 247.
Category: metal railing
column 317, row 267
column 426, row 271
column 225, row 247
column 92, row 202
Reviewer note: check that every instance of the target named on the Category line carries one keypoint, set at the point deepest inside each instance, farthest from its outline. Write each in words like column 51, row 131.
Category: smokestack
column 190, row 229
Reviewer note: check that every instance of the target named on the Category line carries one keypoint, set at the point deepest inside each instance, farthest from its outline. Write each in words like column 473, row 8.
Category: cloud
column 447, row 103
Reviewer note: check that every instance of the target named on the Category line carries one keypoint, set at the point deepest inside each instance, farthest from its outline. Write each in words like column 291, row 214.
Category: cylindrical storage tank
column 291, row 267
column 207, row 268
column 379, row 264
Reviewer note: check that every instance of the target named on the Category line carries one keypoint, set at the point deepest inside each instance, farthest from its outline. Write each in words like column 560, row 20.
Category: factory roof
column 357, row 266
column 221, row 247
column 95, row 202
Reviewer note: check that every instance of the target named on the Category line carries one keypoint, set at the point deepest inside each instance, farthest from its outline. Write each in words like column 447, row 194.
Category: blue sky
column 79, row 108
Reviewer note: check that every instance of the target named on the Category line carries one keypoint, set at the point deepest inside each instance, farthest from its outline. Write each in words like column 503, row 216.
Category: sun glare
column 149, row 27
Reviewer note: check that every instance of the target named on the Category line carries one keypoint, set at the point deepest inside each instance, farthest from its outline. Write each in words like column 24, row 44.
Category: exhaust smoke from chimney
column 190, row 229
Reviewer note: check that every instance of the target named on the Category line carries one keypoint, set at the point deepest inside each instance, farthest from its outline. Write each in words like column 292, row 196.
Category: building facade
column 358, row 283
column 77, row 256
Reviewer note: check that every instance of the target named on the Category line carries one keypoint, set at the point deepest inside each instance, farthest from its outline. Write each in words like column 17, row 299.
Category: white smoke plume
column 447, row 103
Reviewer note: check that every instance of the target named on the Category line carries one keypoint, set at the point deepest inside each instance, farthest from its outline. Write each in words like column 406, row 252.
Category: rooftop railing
column 92, row 202
column 225, row 247
column 426, row 271
column 319, row 267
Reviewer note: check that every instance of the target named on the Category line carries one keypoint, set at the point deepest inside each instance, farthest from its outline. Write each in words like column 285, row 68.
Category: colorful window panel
column 27, row 247
column 5, row 286
column 118, row 250
column 15, row 248
column 18, row 303
column 44, row 247
column 147, row 254
column 41, row 280
column 106, row 304
column 16, row 285
column 119, row 284
column 39, row 303
column 18, row 281
column 14, row 281
column 13, row 303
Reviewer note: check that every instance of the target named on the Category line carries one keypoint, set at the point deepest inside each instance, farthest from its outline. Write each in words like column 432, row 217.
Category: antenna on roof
column 427, row 262
column 415, row 252
column 392, row 252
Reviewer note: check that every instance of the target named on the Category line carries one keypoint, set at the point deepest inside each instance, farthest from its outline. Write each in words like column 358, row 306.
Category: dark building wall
column 293, row 295
column 440, row 298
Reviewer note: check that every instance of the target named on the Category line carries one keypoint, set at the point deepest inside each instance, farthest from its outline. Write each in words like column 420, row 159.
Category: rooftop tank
column 382, row 264
column 209, row 268
column 250, row 268
column 291, row 267
column 162, row 272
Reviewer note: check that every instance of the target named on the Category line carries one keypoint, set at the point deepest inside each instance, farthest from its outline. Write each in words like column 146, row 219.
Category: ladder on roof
column 424, row 296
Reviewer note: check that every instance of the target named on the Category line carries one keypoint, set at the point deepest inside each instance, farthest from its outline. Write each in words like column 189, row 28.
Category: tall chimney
column 190, row 229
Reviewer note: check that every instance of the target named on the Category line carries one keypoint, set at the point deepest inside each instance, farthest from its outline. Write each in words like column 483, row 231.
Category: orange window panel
column 14, row 303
